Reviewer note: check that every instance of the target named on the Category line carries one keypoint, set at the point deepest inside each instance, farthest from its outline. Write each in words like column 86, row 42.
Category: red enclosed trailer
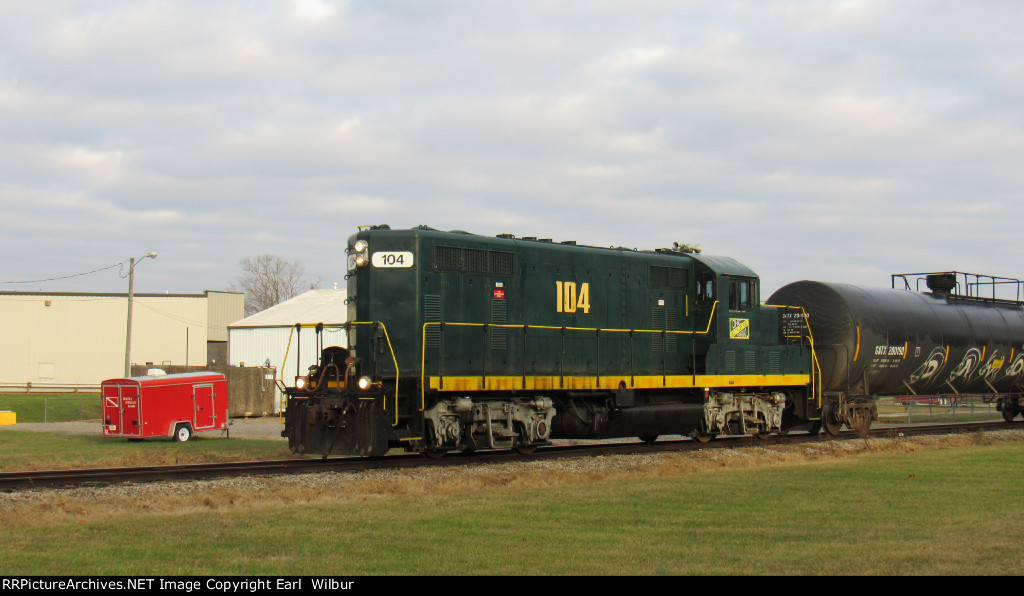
column 164, row 405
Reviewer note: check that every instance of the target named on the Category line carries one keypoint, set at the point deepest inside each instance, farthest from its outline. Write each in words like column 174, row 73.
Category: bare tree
column 268, row 280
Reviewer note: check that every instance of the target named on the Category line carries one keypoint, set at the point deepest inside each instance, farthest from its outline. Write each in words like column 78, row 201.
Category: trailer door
column 121, row 409
column 111, row 409
column 205, row 412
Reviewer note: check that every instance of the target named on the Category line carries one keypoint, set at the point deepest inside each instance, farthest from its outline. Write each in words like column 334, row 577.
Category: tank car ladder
column 800, row 334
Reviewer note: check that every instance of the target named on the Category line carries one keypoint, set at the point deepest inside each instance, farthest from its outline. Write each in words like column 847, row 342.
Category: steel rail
column 10, row 481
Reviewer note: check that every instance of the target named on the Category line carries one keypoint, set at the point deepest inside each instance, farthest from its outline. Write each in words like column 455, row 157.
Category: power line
column 32, row 281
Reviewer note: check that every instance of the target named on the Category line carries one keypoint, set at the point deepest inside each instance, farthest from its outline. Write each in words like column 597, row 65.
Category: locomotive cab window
column 705, row 288
column 742, row 293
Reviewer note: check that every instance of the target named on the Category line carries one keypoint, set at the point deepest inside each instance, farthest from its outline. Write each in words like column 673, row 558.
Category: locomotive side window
column 705, row 288
column 742, row 293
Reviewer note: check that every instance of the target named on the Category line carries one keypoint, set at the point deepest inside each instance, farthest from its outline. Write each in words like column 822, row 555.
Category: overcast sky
column 831, row 140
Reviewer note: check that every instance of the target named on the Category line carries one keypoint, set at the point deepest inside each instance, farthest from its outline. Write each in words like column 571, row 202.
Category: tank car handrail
column 598, row 330
column 968, row 283
column 346, row 326
column 816, row 374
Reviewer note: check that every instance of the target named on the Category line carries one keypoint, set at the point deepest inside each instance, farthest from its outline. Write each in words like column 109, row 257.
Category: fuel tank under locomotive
column 582, row 420
column 877, row 341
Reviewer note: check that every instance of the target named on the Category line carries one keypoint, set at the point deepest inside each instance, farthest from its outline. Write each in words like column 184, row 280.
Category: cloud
column 834, row 139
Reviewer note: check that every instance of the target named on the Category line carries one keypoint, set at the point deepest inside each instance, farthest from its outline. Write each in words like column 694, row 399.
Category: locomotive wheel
column 469, row 443
column 830, row 420
column 435, row 452
column 523, row 447
column 702, row 437
column 649, row 439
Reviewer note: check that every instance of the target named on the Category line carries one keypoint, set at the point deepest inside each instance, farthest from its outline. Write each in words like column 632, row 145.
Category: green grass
column 951, row 511
column 42, row 451
column 52, row 407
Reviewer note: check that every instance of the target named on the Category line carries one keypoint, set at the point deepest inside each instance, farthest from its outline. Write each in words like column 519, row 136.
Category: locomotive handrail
column 347, row 326
column 598, row 330
column 394, row 360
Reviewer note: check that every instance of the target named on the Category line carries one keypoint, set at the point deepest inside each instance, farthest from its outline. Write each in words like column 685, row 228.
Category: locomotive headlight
column 300, row 382
column 365, row 383
column 360, row 250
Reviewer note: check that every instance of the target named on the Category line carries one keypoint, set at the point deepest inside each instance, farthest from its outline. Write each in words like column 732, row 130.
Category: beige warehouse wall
column 224, row 308
column 48, row 339
column 80, row 339
column 167, row 329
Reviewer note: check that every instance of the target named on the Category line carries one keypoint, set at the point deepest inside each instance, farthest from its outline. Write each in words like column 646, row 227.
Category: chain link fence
column 937, row 408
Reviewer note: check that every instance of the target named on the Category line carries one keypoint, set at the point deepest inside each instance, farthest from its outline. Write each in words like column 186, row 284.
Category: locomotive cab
column 754, row 383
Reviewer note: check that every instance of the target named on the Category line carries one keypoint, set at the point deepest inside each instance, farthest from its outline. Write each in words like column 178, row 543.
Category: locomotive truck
column 463, row 342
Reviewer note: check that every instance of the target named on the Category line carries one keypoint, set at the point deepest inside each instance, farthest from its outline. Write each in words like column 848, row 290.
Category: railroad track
column 101, row 476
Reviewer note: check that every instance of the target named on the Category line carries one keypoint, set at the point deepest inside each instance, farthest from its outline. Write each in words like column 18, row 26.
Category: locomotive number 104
column 572, row 298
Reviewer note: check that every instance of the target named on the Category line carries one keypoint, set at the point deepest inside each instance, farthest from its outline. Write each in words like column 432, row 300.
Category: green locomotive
column 464, row 342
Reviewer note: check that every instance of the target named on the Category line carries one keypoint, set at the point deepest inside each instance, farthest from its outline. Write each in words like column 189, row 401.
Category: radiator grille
column 432, row 314
column 664, row 318
column 473, row 260
column 730, row 361
column 667, row 277
column 499, row 335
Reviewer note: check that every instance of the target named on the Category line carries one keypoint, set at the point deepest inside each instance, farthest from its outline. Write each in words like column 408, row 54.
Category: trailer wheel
column 182, row 433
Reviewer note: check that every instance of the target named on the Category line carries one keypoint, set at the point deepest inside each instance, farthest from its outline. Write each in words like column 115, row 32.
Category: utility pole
column 131, row 304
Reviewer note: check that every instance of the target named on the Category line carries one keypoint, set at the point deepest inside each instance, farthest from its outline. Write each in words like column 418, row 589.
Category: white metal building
column 65, row 339
column 268, row 338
